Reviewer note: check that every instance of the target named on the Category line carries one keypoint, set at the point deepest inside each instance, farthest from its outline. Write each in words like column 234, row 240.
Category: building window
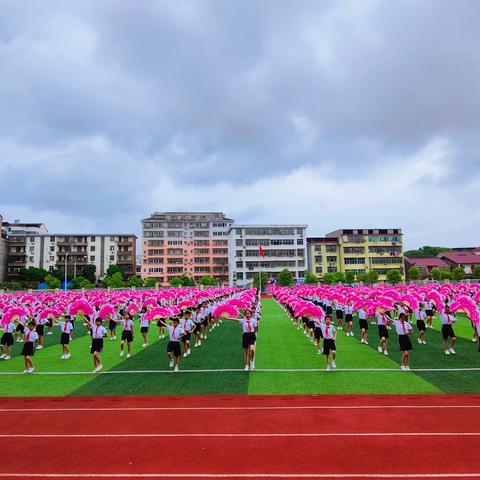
column 354, row 261
column 92, row 248
column 331, row 259
column 332, row 269
column 92, row 258
column 112, row 248
column 52, row 258
column 52, row 248
column 318, row 259
column 299, row 241
column 112, row 258
column 239, row 264
column 238, row 243
column 318, row 270
column 92, row 239
column 52, row 239
column 32, row 249
column 301, row 263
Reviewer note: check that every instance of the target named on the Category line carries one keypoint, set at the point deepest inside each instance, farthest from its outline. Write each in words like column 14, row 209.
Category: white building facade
column 284, row 246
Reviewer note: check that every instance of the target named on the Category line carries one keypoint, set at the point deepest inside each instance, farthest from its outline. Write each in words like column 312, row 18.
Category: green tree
column 362, row 277
column 264, row 278
column 458, row 273
column 32, row 274
column 79, row 283
column 476, row 272
column 149, row 282
column 285, row 278
column 52, row 282
column 208, row 280
column 445, row 274
column 436, row 274
column 328, row 278
column 372, row 276
column 338, row 277
column 426, row 251
column 394, row 276
column 89, row 272
column 413, row 273
column 176, row 282
column 60, row 274
column 349, row 277
column 112, row 270
column 134, row 282
column 310, row 278
column 114, row 281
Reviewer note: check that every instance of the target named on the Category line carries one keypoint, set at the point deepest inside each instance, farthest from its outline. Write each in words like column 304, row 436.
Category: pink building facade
column 185, row 243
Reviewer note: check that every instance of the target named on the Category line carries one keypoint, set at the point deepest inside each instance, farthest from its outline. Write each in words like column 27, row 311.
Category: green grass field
column 217, row 366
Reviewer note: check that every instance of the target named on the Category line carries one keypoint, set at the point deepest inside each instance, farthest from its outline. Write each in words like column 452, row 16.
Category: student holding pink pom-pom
column 448, row 320
column 249, row 325
column 329, row 334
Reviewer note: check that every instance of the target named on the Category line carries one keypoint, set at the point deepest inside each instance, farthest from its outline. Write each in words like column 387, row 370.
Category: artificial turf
column 280, row 346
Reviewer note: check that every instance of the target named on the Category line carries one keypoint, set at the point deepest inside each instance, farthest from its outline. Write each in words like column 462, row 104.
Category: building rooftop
column 365, row 231
column 321, row 240
column 427, row 262
column 460, row 257
column 76, row 235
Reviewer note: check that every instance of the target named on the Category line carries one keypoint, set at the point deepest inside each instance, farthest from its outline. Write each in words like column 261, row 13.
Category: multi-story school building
column 31, row 245
column 357, row 250
column 284, row 246
column 185, row 243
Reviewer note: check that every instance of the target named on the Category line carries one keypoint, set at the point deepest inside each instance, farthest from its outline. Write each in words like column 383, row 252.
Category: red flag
column 260, row 251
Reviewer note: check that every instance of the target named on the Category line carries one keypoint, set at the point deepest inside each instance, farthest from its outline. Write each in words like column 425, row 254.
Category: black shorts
column 248, row 338
column 144, row 329
column 97, row 345
column 382, row 331
column 174, row 347
column 20, row 328
column 329, row 310
column 348, row 317
column 317, row 333
column 339, row 314
column 447, row 331
column 429, row 313
column 112, row 325
column 28, row 349
column 186, row 337
column 65, row 338
column 198, row 327
column 127, row 335
column 40, row 329
column 404, row 343
column 363, row 323
column 421, row 325
column 205, row 322
column 7, row 339
column 310, row 325
column 329, row 346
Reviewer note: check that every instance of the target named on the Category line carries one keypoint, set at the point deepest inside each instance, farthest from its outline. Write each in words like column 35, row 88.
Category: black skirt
column 348, row 317
column 127, row 335
column 404, row 343
column 339, row 314
column 65, row 338
column 112, row 325
column 421, row 325
column 363, row 323
column 174, row 347
column 40, row 329
column 28, row 349
column 382, row 331
column 329, row 346
column 317, row 333
column 97, row 345
column 248, row 338
column 447, row 331
column 7, row 339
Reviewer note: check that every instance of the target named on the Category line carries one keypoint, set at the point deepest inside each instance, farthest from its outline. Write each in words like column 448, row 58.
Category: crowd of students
column 191, row 324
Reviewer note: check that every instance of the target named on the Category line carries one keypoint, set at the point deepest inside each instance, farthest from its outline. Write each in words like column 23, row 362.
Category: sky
column 336, row 114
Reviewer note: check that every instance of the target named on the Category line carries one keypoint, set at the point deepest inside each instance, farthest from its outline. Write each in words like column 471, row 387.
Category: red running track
column 241, row 437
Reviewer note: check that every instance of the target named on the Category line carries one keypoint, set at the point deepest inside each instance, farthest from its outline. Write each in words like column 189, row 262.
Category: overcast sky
column 338, row 114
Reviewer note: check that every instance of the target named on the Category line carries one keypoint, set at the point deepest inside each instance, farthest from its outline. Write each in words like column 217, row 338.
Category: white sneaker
column 334, row 365
column 30, row 370
column 196, row 345
column 402, row 367
column 199, row 343
column 407, row 367
column 111, row 339
column 38, row 347
column 188, row 352
column 25, row 371
column 252, row 365
column 67, row 356
column 447, row 352
column 62, row 357
column 8, row 357
column 380, row 349
column 176, row 368
column 144, row 345
column 201, row 335
column 419, row 341
column 171, row 363
column 246, row 368
column 99, row 367
column 452, row 351
column 121, row 353
column 424, row 342
column 205, row 337
column 128, row 355
column 49, row 333
column 365, row 342
column 94, row 370
column 185, row 355
column 385, row 352
column 474, row 339
column 328, row 368
column 2, row 356
column 319, row 352
column 160, row 336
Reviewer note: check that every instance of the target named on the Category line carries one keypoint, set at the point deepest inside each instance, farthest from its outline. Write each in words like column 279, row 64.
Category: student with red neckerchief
column 249, row 325
column 383, row 321
column 329, row 334
column 175, row 333
column 404, row 329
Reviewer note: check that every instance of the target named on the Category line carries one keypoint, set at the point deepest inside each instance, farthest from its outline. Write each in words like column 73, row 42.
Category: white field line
column 241, row 370
column 242, row 435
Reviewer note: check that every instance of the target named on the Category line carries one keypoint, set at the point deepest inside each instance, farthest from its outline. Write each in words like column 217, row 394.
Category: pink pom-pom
column 225, row 310
column 106, row 310
column 133, row 309
column 13, row 313
column 467, row 305
column 80, row 306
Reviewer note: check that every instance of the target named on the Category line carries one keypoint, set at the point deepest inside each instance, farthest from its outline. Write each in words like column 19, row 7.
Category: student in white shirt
column 66, row 328
column 317, row 333
column 329, row 336
column 429, row 312
column 40, row 329
column 144, row 327
column 7, row 341
column 175, row 333
column 249, row 327
column 187, row 326
column 363, row 324
column 383, row 321
column 349, row 320
column 31, row 336
column 339, row 315
column 404, row 329
column 197, row 320
column 98, row 333
column 421, row 316
column 112, row 326
column 448, row 320
column 127, row 334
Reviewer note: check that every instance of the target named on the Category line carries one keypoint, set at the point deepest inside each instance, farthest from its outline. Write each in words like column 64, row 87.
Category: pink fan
column 106, row 310
column 225, row 310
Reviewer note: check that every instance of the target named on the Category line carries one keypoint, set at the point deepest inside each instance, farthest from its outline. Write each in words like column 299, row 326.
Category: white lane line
column 268, row 408
column 242, row 475
column 241, row 370
column 246, row 435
